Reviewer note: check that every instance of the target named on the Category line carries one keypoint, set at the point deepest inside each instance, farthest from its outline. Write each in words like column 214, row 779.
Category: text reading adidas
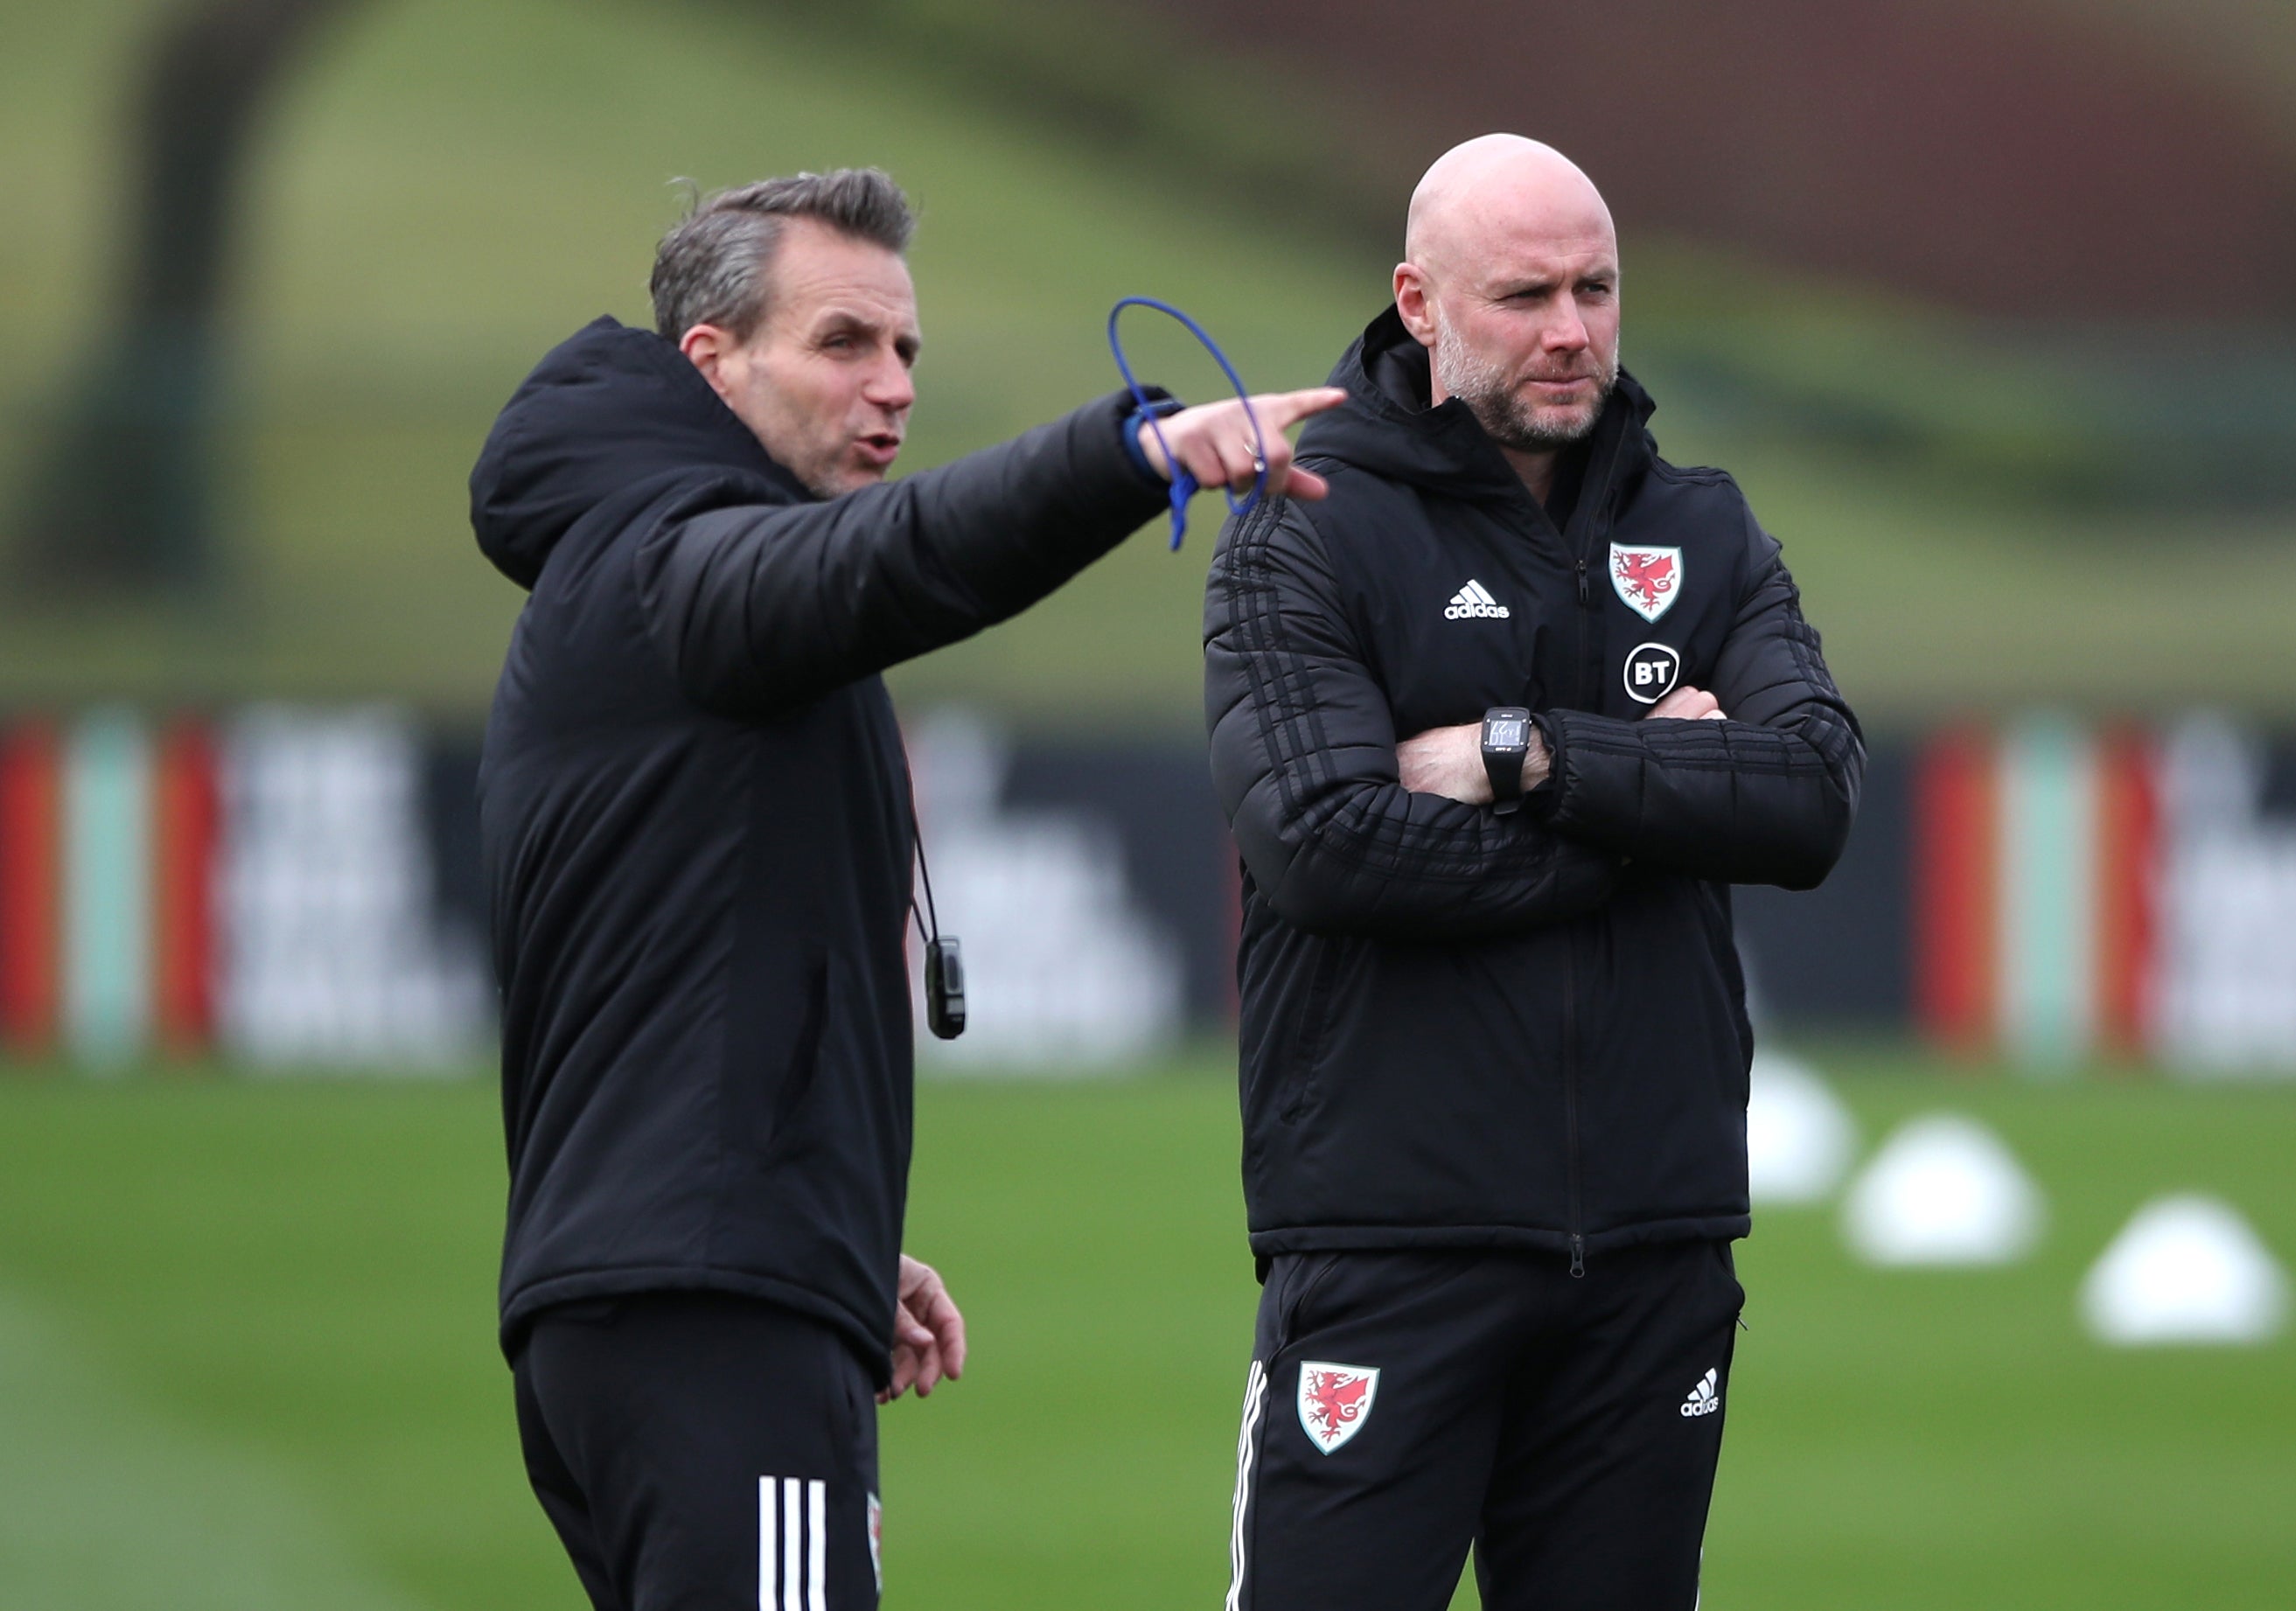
column 1704, row 1399
column 1474, row 602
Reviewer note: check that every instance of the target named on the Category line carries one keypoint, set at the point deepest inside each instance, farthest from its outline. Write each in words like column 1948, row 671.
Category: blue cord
column 1184, row 484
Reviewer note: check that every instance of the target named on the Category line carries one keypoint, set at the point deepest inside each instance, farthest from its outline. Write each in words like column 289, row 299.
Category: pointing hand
column 1214, row 442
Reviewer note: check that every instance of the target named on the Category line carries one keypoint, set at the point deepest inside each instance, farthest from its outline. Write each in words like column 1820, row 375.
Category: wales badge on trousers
column 1335, row 1400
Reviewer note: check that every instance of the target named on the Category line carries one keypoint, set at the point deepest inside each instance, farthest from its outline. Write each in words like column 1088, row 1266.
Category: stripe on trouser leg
column 816, row 1548
column 792, row 1537
column 769, row 1542
column 793, row 1524
column 1255, row 1400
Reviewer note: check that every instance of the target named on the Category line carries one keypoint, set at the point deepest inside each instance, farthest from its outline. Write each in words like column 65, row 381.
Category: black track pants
column 703, row 1452
column 1403, row 1405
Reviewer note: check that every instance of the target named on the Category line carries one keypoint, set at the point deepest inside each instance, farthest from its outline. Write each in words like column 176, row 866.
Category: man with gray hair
column 697, row 834
column 1497, row 724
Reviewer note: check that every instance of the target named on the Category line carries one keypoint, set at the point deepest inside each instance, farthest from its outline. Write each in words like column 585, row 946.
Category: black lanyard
column 944, row 960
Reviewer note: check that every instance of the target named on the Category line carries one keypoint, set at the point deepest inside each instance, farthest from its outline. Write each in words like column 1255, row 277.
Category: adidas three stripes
column 703, row 1449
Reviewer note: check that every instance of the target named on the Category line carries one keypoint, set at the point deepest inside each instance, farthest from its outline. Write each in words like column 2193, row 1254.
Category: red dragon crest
column 1334, row 1400
column 1647, row 578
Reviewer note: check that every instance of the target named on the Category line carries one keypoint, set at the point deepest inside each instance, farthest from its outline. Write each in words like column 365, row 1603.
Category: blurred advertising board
column 297, row 888
column 283, row 888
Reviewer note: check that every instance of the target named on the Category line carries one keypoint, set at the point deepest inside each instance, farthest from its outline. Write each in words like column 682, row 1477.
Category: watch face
column 1504, row 733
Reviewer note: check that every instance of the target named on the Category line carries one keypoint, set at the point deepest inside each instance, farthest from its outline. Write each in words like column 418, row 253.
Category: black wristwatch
column 1506, row 742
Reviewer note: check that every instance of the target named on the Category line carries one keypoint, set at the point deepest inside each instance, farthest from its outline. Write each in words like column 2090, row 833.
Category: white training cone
column 2186, row 1269
column 1942, row 1191
column 1799, row 1136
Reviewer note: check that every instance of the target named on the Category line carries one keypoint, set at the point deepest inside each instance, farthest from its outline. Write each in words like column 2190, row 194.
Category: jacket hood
column 608, row 407
column 1387, row 427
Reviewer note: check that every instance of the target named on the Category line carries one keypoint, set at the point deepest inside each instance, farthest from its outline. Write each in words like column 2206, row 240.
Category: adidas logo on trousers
column 1703, row 1400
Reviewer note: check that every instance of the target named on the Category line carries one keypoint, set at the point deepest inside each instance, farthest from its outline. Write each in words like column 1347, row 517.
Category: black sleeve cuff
column 1540, row 800
column 1162, row 404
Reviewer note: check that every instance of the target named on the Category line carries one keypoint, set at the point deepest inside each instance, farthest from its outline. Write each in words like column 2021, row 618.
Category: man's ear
column 706, row 347
column 1411, row 303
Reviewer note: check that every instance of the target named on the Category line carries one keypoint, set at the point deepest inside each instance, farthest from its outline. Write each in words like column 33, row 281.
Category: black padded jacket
column 696, row 821
column 1529, row 1030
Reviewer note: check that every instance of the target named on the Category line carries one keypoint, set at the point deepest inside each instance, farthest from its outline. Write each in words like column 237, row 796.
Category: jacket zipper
column 1570, row 1104
column 1590, row 698
column 1591, row 518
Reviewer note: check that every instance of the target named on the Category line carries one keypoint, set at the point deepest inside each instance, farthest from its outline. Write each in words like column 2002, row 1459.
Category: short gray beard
column 1506, row 417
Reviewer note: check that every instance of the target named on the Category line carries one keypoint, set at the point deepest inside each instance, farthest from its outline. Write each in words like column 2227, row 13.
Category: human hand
column 1688, row 704
column 1448, row 761
column 928, row 1333
column 1215, row 444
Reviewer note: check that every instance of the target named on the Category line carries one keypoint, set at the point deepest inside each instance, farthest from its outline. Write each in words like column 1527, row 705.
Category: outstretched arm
column 762, row 606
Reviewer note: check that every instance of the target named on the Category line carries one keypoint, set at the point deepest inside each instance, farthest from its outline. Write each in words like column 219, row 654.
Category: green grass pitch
column 246, row 1361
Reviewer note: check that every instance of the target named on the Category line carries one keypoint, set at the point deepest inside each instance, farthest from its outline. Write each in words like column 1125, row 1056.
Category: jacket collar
column 1387, row 427
column 609, row 408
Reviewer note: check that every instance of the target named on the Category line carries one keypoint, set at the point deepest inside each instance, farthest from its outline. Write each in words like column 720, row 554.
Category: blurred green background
column 246, row 1326
column 1984, row 510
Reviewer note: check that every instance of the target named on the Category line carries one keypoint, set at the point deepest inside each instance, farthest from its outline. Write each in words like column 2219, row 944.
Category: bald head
column 1511, row 279
column 1494, row 187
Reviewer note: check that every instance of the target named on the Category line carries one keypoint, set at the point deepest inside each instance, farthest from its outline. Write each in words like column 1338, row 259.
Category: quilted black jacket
column 1529, row 1030
column 696, row 822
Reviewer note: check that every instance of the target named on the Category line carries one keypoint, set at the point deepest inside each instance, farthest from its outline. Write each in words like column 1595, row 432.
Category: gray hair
column 713, row 268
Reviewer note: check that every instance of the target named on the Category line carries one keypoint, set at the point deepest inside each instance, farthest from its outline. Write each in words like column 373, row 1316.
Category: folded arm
column 1304, row 759
column 1764, row 796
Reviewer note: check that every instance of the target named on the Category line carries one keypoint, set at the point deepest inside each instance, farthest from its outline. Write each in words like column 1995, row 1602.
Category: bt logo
column 1652, row 669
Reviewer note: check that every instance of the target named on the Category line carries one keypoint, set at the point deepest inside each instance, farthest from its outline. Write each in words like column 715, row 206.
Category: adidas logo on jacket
column 1474, row 601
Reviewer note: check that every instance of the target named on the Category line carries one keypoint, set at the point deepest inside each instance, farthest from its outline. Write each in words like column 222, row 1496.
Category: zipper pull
column 1584, row 600
column 1578, row 1248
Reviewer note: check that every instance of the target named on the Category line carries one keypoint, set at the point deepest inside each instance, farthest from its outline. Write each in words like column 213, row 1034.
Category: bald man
column 1497, row 724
